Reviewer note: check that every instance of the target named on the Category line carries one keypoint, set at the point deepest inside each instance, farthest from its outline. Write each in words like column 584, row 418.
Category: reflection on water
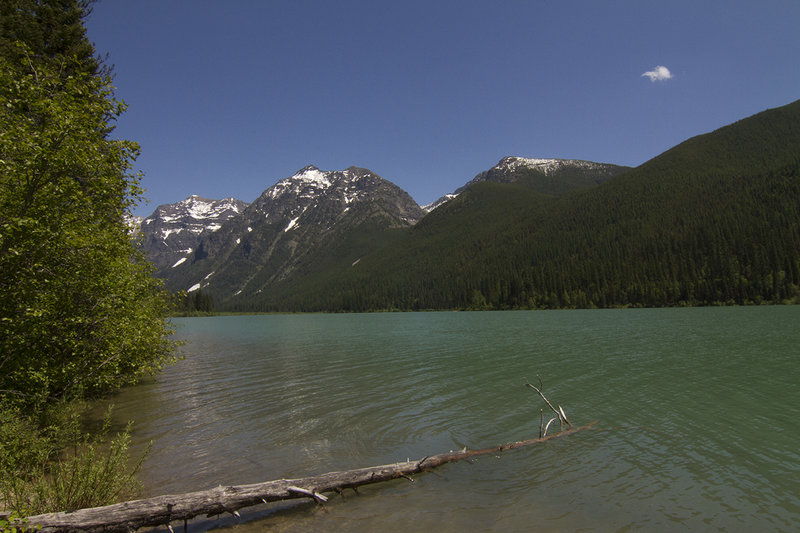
column 698, row 410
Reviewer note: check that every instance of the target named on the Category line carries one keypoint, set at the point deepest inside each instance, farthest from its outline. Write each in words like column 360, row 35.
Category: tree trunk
column 161, row 510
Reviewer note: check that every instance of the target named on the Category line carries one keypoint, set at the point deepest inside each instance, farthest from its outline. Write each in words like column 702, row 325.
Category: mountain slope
column 174, row 230
column 548, row 176
column 715, row 219
column 344, row 249
column 289, row 229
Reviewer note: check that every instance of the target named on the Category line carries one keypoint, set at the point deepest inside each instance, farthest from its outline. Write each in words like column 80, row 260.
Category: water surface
column 698, row 410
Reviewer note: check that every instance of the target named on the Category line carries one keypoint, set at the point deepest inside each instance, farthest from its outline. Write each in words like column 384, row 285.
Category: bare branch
column 537, row 389
column 541, row 423
column 564, row 415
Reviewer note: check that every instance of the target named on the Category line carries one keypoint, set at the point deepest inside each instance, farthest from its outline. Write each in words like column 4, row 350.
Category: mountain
column 297, row 226
column 304, row 227
column 548, row 176
column 714, row 220
column 174, row 230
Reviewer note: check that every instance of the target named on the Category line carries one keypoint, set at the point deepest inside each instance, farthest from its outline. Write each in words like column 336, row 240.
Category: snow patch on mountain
column 314, row 176
column 546, row 166
column 443, row 200
column 292, row 224
column 202, row 208
column 306, row 183
column 508, row 165
column 174, row 230
column 166, row 232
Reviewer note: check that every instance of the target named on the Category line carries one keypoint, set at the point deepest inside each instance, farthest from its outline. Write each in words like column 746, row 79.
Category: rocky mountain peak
column 548, row 176
column 173, row 230
column 306, row 182
column 546, row 166
column 333, row 191
column 283, row 229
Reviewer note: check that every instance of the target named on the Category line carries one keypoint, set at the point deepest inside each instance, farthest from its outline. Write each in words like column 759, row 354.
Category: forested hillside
column 715, row 220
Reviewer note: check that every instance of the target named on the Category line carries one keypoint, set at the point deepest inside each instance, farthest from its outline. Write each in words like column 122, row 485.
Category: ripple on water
column 697, row 417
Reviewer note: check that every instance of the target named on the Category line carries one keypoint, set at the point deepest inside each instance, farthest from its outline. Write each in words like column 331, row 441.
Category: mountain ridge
column 291, row 199
column 268, row 240
column 550, row 176
column 526, row 233
column 173, row 229
column 714, row 220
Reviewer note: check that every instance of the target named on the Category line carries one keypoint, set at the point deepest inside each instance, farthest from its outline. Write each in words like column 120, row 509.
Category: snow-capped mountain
column 548, row 176
column 174, row 230
column 310, row 224
column 291, row 226
column 330, row 195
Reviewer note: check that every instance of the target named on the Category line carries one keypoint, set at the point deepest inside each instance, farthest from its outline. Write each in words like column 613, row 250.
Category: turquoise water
column 698, row 414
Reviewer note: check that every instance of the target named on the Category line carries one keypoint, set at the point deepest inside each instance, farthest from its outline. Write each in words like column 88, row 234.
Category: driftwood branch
column 162, row 510
column 548, row 426
column 562, row 417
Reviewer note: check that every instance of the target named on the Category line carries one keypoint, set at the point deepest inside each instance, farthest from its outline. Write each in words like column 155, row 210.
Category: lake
column 698, row 414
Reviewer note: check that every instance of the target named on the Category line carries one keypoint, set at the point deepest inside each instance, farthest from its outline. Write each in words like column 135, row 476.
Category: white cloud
column 660, row 73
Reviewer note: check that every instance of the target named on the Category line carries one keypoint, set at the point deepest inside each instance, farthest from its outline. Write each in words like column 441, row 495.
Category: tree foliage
column 80, row 313
column 51, row 29
column 94, row 468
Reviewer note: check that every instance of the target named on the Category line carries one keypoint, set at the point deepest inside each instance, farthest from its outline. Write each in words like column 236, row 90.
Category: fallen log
column 162, row 510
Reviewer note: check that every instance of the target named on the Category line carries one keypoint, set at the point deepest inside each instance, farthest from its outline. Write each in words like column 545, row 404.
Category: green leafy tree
column 80, row 313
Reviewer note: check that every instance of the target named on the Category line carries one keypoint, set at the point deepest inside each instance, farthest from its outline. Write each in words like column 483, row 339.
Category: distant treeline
column 194, row 303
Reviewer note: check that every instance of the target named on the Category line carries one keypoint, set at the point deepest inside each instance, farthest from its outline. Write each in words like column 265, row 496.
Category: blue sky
column 228, row 97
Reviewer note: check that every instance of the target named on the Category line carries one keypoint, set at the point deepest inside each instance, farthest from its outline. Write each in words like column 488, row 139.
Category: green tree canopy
column 50, row 29
column 80, row 313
